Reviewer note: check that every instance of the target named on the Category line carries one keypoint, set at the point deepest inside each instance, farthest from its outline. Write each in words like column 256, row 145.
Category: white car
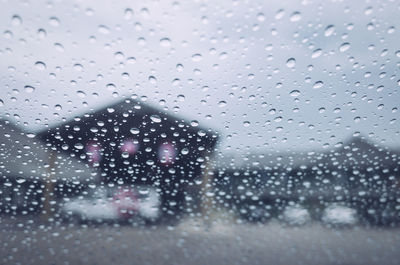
column 339, row 215
column 121, row 203
column 296, row 215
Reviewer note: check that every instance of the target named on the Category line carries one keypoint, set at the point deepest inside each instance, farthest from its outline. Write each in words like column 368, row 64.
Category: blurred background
column 245, row 132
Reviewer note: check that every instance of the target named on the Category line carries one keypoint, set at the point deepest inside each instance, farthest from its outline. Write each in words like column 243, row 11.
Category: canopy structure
column 131, row 142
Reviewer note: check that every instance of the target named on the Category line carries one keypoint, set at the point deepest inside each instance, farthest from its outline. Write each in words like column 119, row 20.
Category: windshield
column 199, row 132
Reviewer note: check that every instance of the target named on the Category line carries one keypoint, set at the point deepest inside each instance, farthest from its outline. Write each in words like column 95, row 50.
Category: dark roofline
column 145, row 107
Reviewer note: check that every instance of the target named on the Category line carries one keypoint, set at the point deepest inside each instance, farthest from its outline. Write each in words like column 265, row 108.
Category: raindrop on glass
column 194, row 123
column 344, row 47
column 78, row 146
column 103, row 29
column 155, row 118
column 295, row 93
column 128, row 14
column 279, row 14
column 329, row 30
column 316, row 53
column 196, row 57
column 134, row 131
column 294, row 17
column 16, row 20
column 152, row 79
column 222, row 103
column 165, row 42
column 291, row 62
column 55, row 22
column 81, row 94
column 261, row 17
column 29, row 89
column 318, row 84
column 40, row 65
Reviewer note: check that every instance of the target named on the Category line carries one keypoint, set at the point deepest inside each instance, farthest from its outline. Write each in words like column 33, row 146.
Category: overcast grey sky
column 226, row 64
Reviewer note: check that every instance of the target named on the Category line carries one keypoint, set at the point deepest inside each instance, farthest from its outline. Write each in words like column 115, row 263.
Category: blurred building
column 356, row 173
column 133, row 143
column 27, row 166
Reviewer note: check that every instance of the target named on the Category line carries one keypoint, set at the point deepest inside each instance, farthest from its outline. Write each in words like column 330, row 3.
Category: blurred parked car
column 339, row 215
column 296, row 215
column 119, row 204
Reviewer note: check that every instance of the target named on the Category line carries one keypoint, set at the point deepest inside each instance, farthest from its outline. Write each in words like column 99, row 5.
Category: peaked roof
column 129, row 107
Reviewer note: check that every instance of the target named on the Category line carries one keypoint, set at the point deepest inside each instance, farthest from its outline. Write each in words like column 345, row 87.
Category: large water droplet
column 194, row 123
column 78, row 67
column 16, row 20
column 291, row 62
column 329, row 30
column 59, row 47
column 165, row 42
column 316, row 53
column 344, row 47
column 295, row 16
column 179, row 67
column 181, row 98
column 55, row 22
column 144, row 12
column 20, row 181
column 78, row 146
column 81, row 94
column 152, row 79
column 368, row 11
column 111, row 87
column 185, row 151
column 318, row 84
column 31, row 135
column 29, row 89
column 134, row 131
column 8, row 34
column 196, row 57
column 103, row 29
column 40, row 65
column 155, row 118
column 128, row 14
column 119, row 56
column 295, row 93
column 222, row 103
column 131, row 60
column 279, row 14
column 41, row 33
column 260, row 17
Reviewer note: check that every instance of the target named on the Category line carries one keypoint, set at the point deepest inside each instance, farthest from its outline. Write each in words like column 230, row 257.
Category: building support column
column 48, row 193
column 207, row 190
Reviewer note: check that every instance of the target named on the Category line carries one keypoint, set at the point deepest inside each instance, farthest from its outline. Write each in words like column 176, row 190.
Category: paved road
column 190, row 242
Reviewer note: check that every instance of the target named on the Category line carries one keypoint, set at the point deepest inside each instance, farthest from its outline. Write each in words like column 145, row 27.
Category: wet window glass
column 199, row 132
